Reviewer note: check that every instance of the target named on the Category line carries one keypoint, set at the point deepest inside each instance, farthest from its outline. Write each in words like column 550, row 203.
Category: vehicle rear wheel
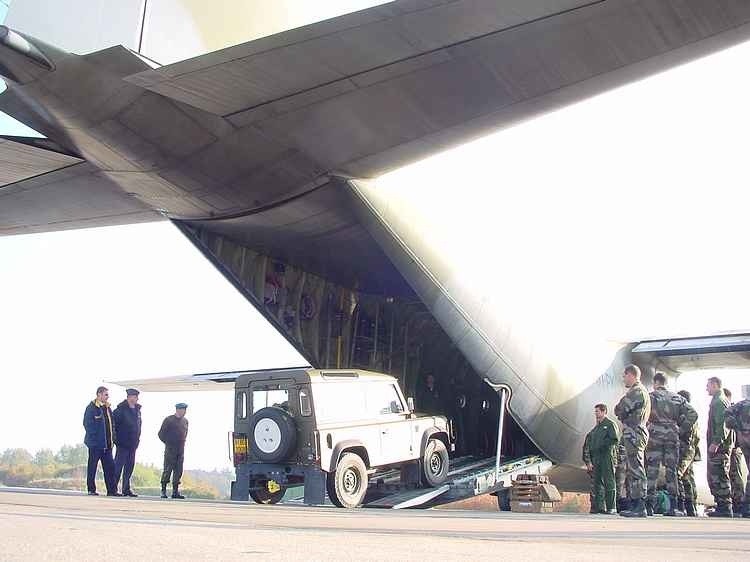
column 435, row 463
column 266, row 497
column 347, row 486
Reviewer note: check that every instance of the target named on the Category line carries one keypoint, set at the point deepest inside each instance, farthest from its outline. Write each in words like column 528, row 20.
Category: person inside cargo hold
column 428, row 396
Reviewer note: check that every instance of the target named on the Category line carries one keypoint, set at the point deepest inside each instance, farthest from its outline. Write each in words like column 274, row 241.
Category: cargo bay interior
column 380, row 327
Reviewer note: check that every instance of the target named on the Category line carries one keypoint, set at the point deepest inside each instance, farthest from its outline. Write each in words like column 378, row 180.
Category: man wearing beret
column 127, row 418
column 173, row 434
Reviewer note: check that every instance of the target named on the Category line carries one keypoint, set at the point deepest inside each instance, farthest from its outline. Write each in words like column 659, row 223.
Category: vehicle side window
column 383, row 398
column 240, row 406
column 339, row 402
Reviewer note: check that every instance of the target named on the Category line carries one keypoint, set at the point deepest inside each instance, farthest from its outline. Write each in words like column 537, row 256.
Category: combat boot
column 746, row 510
column 164, row 490
column 737, row 508
column 675, row 508
column 176, row 493
column 637, row 509
column 722, row 511
column 649, row 507
column 690, row 509
column 623, row 504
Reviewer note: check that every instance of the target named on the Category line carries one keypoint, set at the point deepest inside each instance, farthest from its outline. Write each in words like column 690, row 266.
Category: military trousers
column 635, row 439
column 686, row 489
column 621, row 471
column 717, row 473
column 173, row 459
column 737, row 475
column 663, row 449
column 604, row 481
column 744, row 445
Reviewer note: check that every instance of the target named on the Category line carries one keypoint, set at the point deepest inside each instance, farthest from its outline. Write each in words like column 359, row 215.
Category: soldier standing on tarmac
column 633, row 410
column 669, row 412
column 173, row 434
column 586, row 457
column 689, row 453
column 737, row 470
column 719, row 441
column 738, row 419
column 602, row 447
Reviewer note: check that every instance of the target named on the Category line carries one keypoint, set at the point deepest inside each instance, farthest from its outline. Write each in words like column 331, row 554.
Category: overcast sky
column 131, row 302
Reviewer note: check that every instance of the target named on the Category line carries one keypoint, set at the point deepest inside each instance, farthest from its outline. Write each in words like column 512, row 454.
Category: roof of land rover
column 225, row 380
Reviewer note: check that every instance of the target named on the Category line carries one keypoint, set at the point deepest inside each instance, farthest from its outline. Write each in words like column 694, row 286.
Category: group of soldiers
column 660, row 430
column 121, row 428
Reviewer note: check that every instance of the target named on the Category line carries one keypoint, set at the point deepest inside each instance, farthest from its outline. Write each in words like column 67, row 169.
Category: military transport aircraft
column 265, row 155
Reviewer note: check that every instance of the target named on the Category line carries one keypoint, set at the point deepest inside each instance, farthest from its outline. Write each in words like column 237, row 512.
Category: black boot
column 724, row 510
column 746, row 510
column 164, row 490
column 675, row 509
column 690, row 509
column 623, row 504
column 637, row 509
column 176, row 493
column 737, row 508
column 649, row 505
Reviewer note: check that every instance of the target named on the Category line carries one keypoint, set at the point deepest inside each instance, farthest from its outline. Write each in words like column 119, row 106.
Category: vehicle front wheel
column 435, row 463
column 347, row 486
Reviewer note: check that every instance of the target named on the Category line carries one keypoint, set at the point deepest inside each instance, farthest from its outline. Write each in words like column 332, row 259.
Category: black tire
column 347, row 485
column 267, row 498
column 435, row 463
column 276, row 434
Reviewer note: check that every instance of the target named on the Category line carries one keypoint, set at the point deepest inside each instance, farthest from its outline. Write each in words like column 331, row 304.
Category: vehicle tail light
column 239, row 448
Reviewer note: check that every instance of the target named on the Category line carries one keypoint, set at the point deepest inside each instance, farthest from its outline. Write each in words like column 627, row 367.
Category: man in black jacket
column 100, row 434
column 127, row 418
column 173, row 434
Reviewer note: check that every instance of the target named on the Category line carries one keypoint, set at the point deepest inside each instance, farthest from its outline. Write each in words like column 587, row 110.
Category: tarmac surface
column 71, row 526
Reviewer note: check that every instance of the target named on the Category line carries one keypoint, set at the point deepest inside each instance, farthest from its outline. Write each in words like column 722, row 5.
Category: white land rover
column 330, row 430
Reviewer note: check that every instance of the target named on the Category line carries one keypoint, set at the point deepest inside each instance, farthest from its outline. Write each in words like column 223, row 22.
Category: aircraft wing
column 691, row 354
column 43, row 188
column 201, row 382
column 364, row 93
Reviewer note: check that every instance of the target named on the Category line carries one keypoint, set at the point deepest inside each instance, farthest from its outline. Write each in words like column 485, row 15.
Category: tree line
column 66, row 470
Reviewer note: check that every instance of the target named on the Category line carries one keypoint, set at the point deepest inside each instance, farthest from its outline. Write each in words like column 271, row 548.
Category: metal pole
column 503, row 397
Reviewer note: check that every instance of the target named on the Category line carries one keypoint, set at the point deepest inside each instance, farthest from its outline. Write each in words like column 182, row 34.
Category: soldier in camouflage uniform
column 621, row 477
column 669, row 413
column 633, row 410
column 737, row 470
column 737, row 417
column 689, row 453
column 719, row 441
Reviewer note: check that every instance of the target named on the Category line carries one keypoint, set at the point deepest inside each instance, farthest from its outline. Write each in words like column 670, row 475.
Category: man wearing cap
column 100, row 432
column 173, row 434
column 127, row 418
column 738, row 419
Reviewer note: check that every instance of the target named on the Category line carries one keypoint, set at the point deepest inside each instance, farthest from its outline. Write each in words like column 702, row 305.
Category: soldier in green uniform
column 689, row 453
column 737, row 470
column 634, row 410
column 669, row 412
column 602, row 447
column 173, row 434
column 719, row 441
column 737, row 417
column 586, row 457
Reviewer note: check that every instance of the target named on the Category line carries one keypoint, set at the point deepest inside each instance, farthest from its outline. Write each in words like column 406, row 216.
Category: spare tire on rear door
column 273, row 434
